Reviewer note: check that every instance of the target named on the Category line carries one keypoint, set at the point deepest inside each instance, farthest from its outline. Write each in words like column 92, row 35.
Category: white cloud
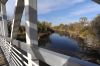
column 46, row 6
column 89, row 8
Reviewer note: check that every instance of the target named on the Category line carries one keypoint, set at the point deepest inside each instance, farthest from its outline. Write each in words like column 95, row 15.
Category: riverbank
column 40, row 35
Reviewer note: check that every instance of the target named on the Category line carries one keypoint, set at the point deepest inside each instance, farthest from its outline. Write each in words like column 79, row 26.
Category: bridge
column 17, row 53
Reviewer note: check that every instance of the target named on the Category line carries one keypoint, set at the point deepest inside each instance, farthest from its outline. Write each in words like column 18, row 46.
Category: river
column 60, row 43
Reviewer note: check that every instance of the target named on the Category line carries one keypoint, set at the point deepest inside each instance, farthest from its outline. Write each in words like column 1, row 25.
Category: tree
column 39, row 25
column 61, row 25
column 96, row 26
column 43, row 26
column 83, row 19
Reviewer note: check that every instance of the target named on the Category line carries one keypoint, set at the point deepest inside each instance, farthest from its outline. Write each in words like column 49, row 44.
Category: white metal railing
column 13, row 55
column 6, row 46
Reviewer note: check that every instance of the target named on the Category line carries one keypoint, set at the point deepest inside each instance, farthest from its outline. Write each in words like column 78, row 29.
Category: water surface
column 60, row 43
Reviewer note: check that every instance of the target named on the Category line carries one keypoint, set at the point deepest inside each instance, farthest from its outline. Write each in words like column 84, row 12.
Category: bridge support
column 31, row 31
column 31, row 27
column 97, row 1
column 17, row 18
column 4, row 20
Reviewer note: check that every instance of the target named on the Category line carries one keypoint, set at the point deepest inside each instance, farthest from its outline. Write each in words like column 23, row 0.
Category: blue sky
column 62, row 11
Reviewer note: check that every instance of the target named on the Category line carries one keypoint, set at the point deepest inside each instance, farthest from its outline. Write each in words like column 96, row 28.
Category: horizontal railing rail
column 52, row 58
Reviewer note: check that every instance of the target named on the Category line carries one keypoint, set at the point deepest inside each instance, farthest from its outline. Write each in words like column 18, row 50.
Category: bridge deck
column 3, row 61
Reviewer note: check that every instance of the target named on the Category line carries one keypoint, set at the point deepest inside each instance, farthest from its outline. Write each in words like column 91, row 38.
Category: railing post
column 31, row 27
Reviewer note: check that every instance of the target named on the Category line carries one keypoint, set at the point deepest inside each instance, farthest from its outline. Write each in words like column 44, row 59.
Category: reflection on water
column 59, row 43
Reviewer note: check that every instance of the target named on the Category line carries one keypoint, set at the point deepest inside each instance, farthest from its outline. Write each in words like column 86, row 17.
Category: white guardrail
column 14, row 56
